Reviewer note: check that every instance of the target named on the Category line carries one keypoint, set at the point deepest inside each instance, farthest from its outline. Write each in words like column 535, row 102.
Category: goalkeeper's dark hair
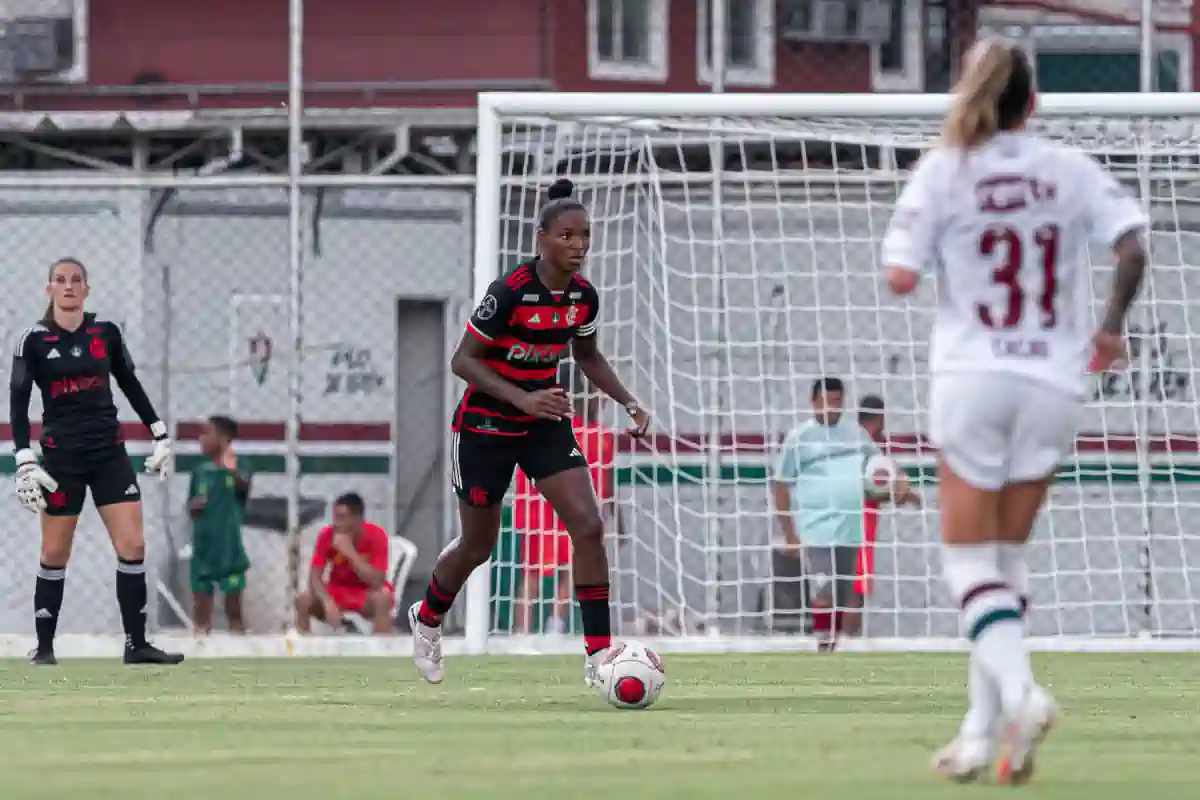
column 75, row 262
column 561, row 195
column 226, row 426
column 994, row 94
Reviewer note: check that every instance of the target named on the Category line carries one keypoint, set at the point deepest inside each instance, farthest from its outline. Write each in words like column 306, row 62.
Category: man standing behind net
column 870, row 417
column 818, row 492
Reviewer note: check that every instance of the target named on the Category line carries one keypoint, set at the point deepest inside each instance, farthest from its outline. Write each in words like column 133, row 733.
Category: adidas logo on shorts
column 132, row 489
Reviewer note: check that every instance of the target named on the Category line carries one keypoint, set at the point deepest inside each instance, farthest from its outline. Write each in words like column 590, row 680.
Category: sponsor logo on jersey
column 536, row 353
column 574, row 295
column 78, row 384
column 530, row 298
column 572, row 315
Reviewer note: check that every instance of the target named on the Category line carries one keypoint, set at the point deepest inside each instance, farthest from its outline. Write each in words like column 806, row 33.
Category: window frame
column 911, row 75
column 1100, row 38
column 654, row 69
column 762, row 74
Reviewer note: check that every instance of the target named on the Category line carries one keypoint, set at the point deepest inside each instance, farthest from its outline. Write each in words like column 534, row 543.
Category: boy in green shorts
column 216, row 502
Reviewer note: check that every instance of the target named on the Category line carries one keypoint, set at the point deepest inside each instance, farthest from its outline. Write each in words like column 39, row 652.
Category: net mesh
column 722, row 307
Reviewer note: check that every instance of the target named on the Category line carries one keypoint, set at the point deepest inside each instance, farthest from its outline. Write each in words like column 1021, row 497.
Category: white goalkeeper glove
column 159, row 461
column 32, row 482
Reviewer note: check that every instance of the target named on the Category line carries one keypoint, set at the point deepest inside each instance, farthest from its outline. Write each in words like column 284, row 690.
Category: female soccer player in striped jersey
column 514, row 413
column 1002, row 219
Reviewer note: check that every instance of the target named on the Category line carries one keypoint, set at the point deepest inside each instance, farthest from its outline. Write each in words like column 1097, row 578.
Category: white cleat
column 591, row 668
column 1023, row 735
column 963, row 760
column 427, row 647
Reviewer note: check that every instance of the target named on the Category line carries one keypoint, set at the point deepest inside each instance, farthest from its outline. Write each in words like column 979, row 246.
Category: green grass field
column 789, row 726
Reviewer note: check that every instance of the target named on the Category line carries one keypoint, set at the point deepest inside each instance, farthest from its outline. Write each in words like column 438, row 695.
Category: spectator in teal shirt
column 818, row 491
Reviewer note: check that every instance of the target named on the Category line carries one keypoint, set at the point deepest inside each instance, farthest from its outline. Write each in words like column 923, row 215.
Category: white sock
column 1013, row 571
column 991, row 619
column 984, row 711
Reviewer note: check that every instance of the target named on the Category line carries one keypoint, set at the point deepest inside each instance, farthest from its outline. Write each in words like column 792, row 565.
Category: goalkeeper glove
column 159, row 461
column 32, row 482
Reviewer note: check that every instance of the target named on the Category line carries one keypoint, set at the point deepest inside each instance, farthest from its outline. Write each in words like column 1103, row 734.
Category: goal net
column 736, row 251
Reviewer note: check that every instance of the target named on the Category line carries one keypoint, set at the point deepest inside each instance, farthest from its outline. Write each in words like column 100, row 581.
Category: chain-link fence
column 198, row 279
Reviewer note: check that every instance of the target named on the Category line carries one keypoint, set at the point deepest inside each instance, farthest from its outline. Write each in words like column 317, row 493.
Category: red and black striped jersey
column 528, row 329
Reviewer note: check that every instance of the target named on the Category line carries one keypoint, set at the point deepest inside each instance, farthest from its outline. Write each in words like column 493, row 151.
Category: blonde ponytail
column 975, row 116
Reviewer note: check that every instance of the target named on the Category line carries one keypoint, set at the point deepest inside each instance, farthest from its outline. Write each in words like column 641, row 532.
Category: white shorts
column 994, row 429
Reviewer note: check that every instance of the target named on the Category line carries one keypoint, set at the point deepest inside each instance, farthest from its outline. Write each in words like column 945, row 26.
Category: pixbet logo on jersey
column 536, row 353
column 75, row 385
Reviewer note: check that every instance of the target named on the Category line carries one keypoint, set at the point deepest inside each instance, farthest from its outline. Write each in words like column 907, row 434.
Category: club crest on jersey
column 76, row 352
column 96, row 348
column 487, row 308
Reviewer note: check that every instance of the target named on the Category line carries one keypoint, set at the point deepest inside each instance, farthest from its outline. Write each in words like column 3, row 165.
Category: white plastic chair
column 402, row 554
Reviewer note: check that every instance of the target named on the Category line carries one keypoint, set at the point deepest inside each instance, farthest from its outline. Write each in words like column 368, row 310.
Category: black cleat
column 43, row 659
column 149, row 654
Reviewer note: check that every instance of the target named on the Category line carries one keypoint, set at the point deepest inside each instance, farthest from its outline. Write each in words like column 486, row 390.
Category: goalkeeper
column 73, row 358
column 818, row 492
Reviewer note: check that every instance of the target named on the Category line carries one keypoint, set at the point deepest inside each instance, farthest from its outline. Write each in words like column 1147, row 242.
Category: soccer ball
column 631, row 675
column 879, row 476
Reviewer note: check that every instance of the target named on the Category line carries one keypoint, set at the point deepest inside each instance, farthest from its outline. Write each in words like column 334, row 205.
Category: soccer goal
column 736, row 250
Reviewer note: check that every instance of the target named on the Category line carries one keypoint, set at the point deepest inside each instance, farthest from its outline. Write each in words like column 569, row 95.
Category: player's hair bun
column 560, row 189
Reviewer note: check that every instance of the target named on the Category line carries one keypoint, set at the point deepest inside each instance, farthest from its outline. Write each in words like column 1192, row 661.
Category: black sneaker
column 149, row 654
column 43, row 659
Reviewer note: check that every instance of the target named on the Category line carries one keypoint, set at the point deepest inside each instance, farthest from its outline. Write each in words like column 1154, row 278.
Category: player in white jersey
column 1002, row 220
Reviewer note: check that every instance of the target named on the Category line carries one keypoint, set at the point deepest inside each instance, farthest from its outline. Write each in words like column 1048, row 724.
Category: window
column 897, row 63
column 627, row 40
column 1100, row 58
column 749, row 42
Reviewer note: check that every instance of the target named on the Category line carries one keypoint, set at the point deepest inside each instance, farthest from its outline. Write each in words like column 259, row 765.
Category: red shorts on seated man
column 349, row 572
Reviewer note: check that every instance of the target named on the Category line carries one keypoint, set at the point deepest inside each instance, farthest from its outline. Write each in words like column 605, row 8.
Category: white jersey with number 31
column 1005, row 228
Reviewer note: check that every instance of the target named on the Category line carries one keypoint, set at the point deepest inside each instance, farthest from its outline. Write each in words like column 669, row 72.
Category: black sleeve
column 490, row 319
column 122, row 370
column 20, row 389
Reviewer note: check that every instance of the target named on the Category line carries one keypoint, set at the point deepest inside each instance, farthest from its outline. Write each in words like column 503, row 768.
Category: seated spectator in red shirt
column 349, row 571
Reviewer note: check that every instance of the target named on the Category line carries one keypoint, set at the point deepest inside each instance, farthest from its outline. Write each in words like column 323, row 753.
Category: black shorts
column 108, row 473
column 482, row 464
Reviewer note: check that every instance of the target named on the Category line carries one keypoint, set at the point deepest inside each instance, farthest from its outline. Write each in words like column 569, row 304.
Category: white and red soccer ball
column 631, row 675
column 880, row 477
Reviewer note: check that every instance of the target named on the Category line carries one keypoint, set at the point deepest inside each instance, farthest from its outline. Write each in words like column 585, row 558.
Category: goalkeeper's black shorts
column 107, row 473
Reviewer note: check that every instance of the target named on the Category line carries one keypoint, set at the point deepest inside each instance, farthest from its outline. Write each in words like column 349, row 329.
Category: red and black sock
column 593, row 611
column 436, row 604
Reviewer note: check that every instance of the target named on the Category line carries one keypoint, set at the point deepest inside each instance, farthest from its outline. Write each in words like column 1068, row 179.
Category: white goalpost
column 726, row 291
